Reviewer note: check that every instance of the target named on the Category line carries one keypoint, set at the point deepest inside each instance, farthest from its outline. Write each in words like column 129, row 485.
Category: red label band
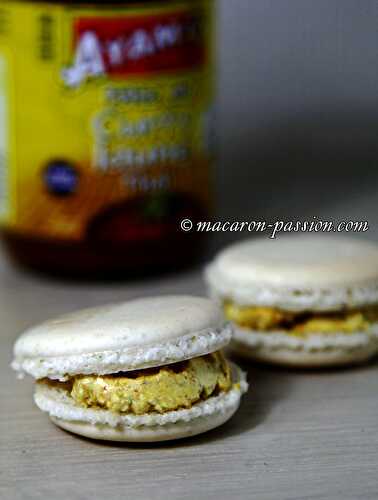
column 140, row 44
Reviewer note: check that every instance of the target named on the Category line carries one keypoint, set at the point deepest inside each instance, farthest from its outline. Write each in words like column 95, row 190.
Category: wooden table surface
column 296, row 436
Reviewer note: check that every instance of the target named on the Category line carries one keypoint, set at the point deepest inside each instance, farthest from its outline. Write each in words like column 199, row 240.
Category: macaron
column 302, row 301
column 146, row 370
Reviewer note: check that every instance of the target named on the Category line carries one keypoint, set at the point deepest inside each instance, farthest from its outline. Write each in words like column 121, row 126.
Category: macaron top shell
column 297, row 272
column 136, row 334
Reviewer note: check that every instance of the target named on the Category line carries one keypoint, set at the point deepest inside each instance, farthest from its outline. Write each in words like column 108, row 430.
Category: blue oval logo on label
column 61, row 178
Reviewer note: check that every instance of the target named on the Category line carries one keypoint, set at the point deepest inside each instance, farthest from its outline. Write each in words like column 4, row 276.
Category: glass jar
column 106, row 114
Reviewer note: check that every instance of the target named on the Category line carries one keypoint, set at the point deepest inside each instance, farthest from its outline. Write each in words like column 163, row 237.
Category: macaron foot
column 304, row 359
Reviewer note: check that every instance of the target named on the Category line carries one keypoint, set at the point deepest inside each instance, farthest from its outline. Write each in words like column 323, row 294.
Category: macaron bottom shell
column 146, row 434
column 104, row 425
column 305, row 356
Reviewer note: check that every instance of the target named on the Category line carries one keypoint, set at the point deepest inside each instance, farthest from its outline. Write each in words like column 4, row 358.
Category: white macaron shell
column 297, row 272
column 306, row 359
column 316, row 350
column 136, row 334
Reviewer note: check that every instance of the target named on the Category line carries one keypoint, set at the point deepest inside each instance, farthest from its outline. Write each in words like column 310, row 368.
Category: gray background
column 298, row 102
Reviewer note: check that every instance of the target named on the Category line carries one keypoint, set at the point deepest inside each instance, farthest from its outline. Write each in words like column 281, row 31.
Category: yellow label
column 101, row 105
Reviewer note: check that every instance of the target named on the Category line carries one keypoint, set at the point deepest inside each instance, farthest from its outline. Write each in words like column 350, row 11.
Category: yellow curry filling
column 161, row 389
column 272, row 319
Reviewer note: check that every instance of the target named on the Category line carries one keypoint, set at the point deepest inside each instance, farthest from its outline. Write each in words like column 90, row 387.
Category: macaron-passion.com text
column 275, row 228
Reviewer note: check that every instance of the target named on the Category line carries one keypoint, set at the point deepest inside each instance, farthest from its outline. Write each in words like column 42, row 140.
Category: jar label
column 103, row 110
